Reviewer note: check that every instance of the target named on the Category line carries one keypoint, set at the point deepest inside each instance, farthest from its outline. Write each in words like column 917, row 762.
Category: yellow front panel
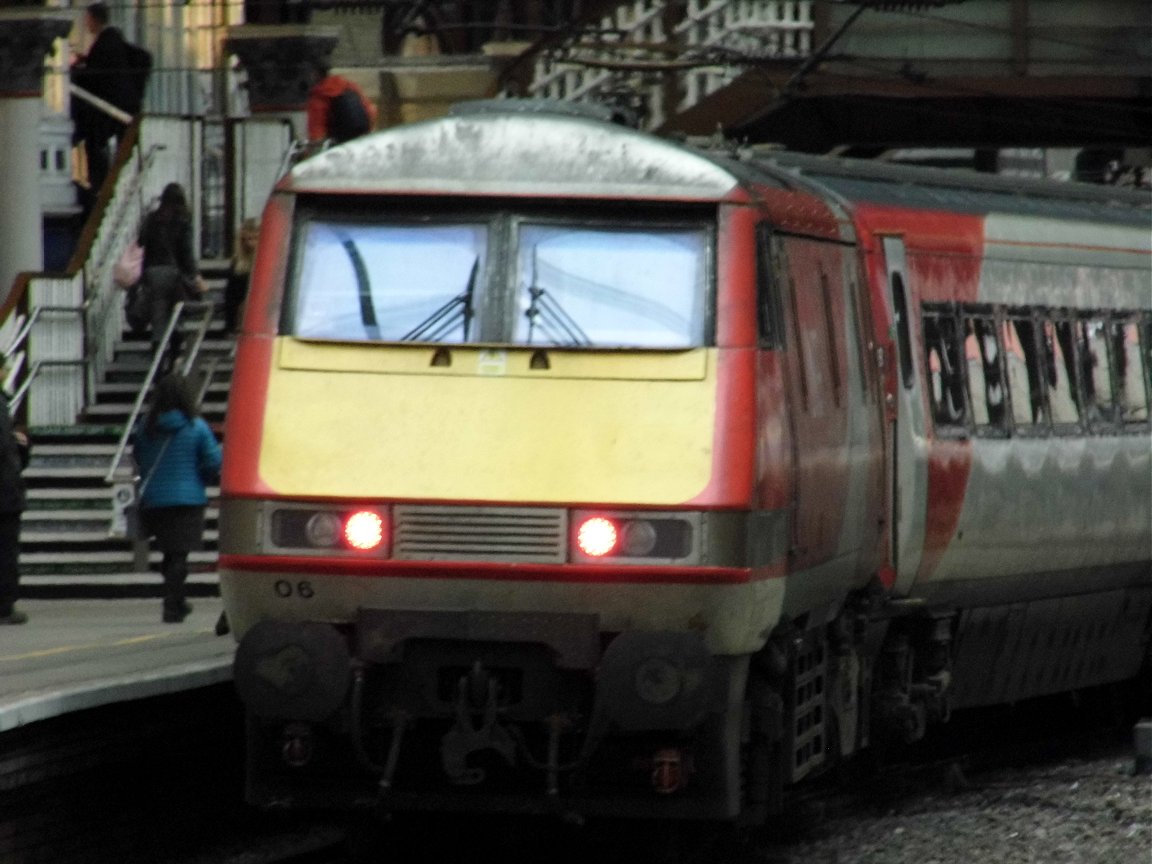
column 382, row 422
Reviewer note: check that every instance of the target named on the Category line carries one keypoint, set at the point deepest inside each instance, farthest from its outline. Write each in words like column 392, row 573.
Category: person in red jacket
column 337, row 109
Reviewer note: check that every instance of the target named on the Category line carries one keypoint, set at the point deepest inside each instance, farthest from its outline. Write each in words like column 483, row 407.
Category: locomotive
column 572, row 469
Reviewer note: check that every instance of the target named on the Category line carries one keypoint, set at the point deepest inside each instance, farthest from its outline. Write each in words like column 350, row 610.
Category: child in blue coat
column 178, row 457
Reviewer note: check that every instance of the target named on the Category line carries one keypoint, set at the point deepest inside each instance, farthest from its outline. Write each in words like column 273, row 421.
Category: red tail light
column 364, row 530
column 597, row 536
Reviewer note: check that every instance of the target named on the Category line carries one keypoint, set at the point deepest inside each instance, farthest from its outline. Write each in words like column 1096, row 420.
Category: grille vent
column 536, row 536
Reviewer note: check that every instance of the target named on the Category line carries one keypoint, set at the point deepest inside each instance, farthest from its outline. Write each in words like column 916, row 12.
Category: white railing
column 740, row 29
column 61, row 347
column 611, row 59
column 48, row 350
column 639, row 25
column 121, row 223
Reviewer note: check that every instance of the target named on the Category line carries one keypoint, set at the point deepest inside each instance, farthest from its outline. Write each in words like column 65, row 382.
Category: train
column 574, row 469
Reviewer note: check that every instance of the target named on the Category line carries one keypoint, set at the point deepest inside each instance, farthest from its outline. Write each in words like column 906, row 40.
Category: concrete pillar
column 279, row 60
column 26, row 37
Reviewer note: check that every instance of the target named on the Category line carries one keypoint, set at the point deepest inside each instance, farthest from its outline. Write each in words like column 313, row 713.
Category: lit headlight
column 634, row 538
column 308, row 529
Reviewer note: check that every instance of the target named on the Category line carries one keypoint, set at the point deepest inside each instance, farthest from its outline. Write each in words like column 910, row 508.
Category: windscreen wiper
column 443, row 320
column 554, row 322
column 363, row 289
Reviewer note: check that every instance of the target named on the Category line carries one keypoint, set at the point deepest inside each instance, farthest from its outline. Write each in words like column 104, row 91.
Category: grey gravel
column 1077, row 811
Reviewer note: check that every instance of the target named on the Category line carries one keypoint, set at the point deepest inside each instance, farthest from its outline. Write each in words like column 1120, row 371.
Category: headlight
column 309, row 529
column 322, row 529
column 634, row 538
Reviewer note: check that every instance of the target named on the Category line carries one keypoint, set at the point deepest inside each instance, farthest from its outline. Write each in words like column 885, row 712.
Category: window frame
column 502, row 218
column 1062, row 428
column 1039, row 426
column 1108, row 421
column 991, row 315
column 964, row 426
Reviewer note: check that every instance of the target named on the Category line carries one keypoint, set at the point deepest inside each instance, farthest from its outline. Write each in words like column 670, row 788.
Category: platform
column 78, row 654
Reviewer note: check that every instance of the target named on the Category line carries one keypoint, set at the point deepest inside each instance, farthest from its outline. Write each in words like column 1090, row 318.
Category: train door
column 908, row 482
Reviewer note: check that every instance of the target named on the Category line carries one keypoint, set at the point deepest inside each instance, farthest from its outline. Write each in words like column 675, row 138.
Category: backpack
column 137, row 68
column 347, row 117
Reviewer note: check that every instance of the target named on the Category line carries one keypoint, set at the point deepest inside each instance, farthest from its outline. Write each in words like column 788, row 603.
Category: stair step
column 66, row 550
column 36, row 561
column 119, row 577
column 104, row 410
column 56, row 449
column 131, row 388
column 70, row 535
column 64, row 462
column 67, row 472
column 78, row 496
column 42, row 435
column 88, row 513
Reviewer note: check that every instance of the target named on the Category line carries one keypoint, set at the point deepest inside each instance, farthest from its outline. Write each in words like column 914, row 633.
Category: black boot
column 175, row 570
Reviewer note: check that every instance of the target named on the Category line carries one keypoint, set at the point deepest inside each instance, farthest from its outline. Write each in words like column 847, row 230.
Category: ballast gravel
column 1076, row 811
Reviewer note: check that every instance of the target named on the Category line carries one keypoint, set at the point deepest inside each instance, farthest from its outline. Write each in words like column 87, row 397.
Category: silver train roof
column 513, row 154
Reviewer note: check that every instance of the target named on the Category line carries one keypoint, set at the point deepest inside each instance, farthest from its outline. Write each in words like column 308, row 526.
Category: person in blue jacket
column 177, row 457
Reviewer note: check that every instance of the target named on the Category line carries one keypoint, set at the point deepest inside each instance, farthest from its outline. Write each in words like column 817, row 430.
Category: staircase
column 65, row 548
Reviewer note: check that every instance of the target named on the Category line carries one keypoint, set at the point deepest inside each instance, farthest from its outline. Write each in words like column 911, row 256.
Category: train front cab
column 534, row 671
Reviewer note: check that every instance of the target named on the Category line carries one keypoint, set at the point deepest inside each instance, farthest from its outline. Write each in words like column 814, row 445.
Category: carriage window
column 1022, row 360
column 1060, row 371
column 1131, row 393
column 985, row 384
column 944, row 365
column 411, row 282
column 608, row 286
column 1096, row 379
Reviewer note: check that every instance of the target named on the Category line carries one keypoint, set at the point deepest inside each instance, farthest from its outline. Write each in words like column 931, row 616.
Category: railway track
column 157, row 782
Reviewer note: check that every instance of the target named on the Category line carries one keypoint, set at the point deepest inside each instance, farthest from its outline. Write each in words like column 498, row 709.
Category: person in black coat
column 104, row 72
column 14, row 451
column 170, row 273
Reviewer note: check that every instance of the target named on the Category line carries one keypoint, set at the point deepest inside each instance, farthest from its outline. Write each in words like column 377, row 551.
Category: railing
column 672, row 54
column 582, row 71
column 759, row 30
column 115, row 470
column 122, row 218
column 65, row 348
column 15, row 355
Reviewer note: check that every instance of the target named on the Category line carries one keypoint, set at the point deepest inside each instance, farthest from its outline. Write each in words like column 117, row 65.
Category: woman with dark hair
column 169, row 270
column 177, row 456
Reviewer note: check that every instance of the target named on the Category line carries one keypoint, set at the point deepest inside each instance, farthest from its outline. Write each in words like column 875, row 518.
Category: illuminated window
column 1095, row 372
column 944, row 366
column 985, row 380
column 1022, row 362
column 1131, row 389
column 1060, row 373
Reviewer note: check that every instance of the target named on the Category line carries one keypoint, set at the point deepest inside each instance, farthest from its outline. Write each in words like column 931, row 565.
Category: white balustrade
column 733, row 31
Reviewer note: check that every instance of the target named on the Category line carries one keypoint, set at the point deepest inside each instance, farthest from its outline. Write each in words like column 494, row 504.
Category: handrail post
column 157, row 358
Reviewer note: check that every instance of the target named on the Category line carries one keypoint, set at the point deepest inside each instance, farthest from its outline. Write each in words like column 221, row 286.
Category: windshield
column 502, row 279
column 611, row 287
column 389, row 282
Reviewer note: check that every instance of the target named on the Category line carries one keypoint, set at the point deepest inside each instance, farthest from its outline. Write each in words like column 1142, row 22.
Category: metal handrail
column 26, row 384
column 26, row 328
column 146, row 386
column 100, row 104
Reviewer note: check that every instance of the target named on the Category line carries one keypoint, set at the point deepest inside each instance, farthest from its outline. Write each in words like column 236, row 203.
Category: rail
column 33, row 372
column 37, row 366
column 670, row 56
column 100, row 104
column 115, row 472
